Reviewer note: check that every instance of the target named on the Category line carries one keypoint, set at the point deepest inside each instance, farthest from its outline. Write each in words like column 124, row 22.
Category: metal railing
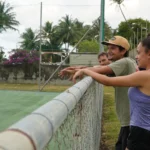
column 71, row 121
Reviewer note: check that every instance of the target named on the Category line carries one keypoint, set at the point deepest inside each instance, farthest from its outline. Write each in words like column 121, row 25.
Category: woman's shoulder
column 145, row 77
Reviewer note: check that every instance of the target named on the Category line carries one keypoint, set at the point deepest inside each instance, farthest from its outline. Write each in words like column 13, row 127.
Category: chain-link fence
column 71, row 121
column 82, row 128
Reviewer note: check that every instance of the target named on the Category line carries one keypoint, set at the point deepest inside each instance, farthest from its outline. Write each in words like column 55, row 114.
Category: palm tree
column 48, row 31
column 7, row 17
column 30, row 40
column 68, row 30
column 94, row 32
column 119, row 2
column 78, row 24
column 79, row 28
column 50, row 37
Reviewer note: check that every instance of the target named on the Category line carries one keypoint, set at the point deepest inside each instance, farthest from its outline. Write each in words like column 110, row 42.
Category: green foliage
column 117, row 1
column 110, row 123
column 1, row 55
column 88, row 46
column 28, row 60
column 4, row 73
column 32, row 87
column 94, row 32
column 134, row 26
column 7, row 17
column 50, row 38
column 29, row 40
column 69, row 30
column 48, row 47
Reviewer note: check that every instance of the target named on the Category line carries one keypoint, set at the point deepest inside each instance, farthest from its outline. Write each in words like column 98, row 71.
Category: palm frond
column 7, row 17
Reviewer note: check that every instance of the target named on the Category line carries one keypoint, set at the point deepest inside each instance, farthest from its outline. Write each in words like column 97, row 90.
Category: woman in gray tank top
column 139, row 95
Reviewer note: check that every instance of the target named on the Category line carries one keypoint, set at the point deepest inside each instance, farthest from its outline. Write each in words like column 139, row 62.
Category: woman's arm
column 135, row 79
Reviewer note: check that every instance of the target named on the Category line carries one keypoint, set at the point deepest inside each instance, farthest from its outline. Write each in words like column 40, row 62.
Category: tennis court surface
column 15, row 105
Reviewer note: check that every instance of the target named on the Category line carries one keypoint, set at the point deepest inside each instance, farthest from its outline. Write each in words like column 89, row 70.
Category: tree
column 22, row 57
column 2, row 54
column 68, row 30
column 7, row 17
column 134, row 29
column 28, row 60
column 94, row 32
column 79, row 29
column 30, row 40
column 88, row 46
column 119, row 2
column 50, row 38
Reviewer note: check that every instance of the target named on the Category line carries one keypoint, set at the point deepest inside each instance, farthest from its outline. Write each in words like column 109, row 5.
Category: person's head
column 143, row 53
column 118, row 47
column 103, row 58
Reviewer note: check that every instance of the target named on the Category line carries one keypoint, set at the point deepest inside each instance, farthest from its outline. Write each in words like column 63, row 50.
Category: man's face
column 103, row 60
column 114, row 53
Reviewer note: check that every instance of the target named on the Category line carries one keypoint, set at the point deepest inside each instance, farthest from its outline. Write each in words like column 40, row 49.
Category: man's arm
column 101, row 69
column 70, row 70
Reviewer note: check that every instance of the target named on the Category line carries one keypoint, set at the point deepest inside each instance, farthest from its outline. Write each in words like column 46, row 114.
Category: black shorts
column 139, row 139
column 122, row 139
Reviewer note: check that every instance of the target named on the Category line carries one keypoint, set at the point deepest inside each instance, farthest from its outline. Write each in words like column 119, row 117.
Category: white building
column 88, row 59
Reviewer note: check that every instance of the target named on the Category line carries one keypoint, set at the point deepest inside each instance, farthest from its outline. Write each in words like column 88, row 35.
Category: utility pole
column 134, row 39
column 40, row 46
column 134, row 45
column 146, row 29
column 102, row 14
column 137, row 36
column 141, row 32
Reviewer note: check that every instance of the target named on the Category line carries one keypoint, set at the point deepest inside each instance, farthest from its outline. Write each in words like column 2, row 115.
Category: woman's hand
column 79, row 74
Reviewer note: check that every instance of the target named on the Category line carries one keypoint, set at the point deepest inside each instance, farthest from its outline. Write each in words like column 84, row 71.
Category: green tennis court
column 14, row 105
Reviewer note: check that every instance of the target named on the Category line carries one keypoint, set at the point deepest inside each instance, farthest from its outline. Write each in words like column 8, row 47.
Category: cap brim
column 108, row 43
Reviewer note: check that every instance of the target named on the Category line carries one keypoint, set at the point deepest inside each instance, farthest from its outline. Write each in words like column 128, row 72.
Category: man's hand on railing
column 70, row 71
column 66, row 71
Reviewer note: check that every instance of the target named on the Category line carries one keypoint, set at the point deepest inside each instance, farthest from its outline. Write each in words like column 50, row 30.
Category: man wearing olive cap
column 121, row 65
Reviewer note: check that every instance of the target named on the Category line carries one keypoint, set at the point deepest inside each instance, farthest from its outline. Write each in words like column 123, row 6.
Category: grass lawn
column 111, row 125
column 32, row 87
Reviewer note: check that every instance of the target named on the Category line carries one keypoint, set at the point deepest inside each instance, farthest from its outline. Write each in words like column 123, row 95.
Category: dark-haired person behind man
column 122, row 65
column 103, row 59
